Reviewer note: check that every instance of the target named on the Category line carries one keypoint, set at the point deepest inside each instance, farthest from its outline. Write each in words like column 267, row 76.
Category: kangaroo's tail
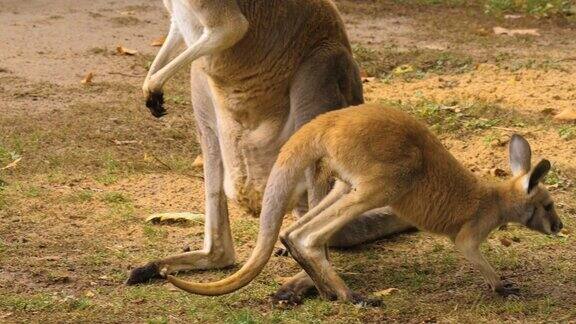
column 302, row 149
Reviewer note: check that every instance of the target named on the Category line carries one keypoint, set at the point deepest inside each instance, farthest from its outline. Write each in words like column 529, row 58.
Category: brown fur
column 383, row 156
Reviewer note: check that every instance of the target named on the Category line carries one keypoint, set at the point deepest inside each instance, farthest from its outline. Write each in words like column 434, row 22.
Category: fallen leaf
column 403, row 69
column 175, row 217
column 566, row 115
column 125, row 51
column 198, row 162
column 505, row 241
column 88, row 78
column 158, row 41
column 12, row 164
column 497, row 172
column 565, row 231
column 512, row 32
column 386, row 292
column 89, row 294
column 117, row 142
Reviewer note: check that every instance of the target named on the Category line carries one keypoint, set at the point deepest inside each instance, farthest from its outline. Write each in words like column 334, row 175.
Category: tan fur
column 383, row 156
column 260, row 69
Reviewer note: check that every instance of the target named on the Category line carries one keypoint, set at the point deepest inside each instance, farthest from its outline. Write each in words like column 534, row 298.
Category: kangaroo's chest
column 252, row 127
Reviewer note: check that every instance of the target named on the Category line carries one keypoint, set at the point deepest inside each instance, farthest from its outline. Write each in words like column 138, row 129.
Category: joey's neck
column 488, row 215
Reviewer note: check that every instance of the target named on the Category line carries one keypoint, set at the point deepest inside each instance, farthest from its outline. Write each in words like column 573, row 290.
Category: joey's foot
column 506, row 289
column 286, row 298
column 281, row 252
column 360, row 300
column 155, row 102
column 144, row 274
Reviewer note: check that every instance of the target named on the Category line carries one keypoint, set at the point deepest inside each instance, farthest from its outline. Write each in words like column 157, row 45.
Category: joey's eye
column 548, row 207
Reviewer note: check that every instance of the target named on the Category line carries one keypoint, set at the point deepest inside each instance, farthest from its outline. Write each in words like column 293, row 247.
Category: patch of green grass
column 112, row 169
column 81, row 196
column 539, row 8
column 115, row 198
column 452, row 116
column 392, row 62
column 30, row 303
column 154, row 233
column 567, row 132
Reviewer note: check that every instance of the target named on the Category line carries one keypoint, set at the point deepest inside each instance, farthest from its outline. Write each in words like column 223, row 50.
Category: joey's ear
column 537, row 174
column 520, row 155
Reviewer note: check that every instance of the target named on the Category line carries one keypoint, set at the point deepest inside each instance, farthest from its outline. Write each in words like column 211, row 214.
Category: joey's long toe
column 508, row 289
column 286, row 297
column 364, row 301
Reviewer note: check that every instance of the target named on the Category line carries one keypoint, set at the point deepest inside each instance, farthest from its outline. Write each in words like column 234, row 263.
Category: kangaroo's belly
column 252, row 128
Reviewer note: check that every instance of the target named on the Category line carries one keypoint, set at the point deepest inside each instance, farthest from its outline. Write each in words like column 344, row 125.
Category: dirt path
column 93, row 165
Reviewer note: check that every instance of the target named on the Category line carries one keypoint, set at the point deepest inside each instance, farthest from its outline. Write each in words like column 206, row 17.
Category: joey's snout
column 556, row 226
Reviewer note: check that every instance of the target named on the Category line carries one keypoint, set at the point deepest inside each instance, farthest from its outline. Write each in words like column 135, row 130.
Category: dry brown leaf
column 497, row 172
column 198, row 162
column 117, row 142
column 12, row 164
column 505, row 241
column 125, row 51
column 386, row 292
column 175, row 217
column 158, row 41
column 566, row 115
column 88, row 78
column 512, row 32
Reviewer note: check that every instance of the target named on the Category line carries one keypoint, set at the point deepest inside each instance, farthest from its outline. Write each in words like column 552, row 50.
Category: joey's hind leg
column 218, row 250
column 307, row 242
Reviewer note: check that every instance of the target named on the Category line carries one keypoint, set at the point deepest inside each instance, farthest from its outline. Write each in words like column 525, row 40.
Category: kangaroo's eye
column 548, row 207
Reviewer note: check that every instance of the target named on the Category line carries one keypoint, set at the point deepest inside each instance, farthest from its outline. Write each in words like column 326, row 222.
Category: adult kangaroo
column 260, row 69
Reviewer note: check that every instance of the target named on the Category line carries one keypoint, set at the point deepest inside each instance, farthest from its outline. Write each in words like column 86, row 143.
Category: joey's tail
column 298, row 153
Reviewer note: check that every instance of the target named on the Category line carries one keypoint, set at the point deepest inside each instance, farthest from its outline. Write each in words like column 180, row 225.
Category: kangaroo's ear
column 520, row 155
column 537, row 175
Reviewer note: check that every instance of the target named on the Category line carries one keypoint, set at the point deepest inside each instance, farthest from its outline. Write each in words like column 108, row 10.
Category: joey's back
column 375, row 143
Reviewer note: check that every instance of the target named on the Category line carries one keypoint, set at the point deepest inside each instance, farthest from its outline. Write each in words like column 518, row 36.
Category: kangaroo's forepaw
column 286, row 298
column 363, row 301
column 155, row 102
column 281, row 252
column 506, row 289
column 144, row 274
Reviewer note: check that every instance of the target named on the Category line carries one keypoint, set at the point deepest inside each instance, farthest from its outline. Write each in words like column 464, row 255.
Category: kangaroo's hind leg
column 307, row 240
column 218, row 250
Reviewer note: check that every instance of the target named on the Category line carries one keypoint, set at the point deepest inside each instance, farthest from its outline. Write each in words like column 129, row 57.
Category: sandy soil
column 95, row 165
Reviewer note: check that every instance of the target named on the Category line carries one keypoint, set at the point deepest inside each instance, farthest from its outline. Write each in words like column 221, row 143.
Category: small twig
column 508, row 129
column 12, row 164
column 127, row 75
column 161, row 162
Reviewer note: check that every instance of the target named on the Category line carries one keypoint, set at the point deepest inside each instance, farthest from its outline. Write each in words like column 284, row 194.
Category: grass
column 391, row 62
column 539, row 8
column 80, row 199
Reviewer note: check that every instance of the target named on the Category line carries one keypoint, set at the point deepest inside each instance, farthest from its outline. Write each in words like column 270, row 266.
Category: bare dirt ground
column 94, row 164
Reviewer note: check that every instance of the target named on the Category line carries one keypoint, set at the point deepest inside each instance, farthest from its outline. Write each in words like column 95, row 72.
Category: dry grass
column 72, row 210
